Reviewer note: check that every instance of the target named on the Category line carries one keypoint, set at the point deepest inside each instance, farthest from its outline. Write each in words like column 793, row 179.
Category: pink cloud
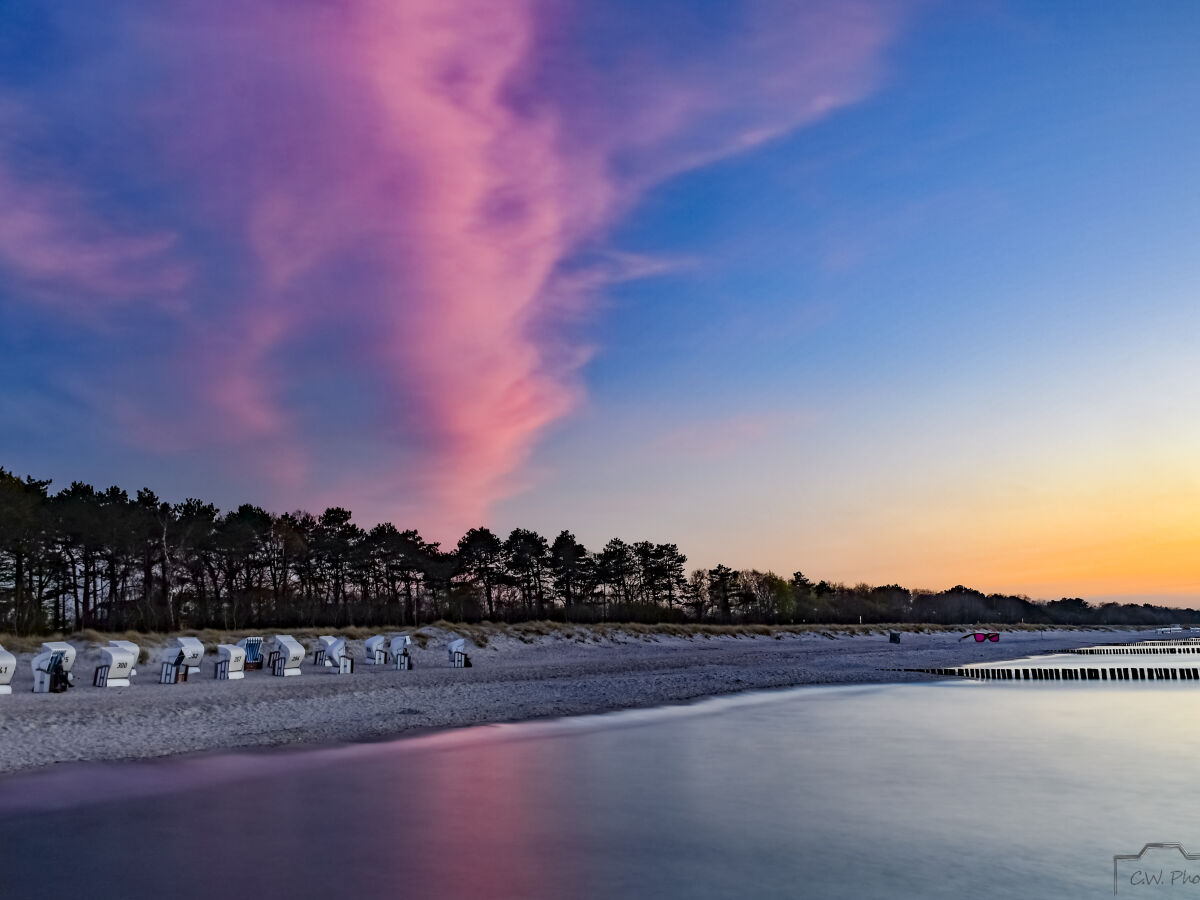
column 59, row 249
column 410, row 181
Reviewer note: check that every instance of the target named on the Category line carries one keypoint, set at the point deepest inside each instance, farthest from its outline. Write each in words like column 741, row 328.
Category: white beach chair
column 285, row 656
column 231, row 662
column 116, row 666
column 192, row 651
column 52, row 668
column 321, row 655
column 376, row 650
column 8, row 668
column 132, row 648
column 458, row 654
column 331, row 652
column 401, row 658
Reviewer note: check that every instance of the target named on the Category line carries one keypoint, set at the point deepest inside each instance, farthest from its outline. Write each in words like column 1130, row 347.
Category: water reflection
column 890, row 791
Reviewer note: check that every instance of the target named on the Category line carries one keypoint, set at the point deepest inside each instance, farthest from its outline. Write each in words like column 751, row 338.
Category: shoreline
column 565, row 673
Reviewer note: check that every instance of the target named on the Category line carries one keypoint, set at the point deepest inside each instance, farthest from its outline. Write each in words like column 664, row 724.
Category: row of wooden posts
column 1065, row 673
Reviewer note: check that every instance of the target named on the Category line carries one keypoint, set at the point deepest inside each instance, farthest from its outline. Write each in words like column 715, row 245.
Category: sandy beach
column 513, row 678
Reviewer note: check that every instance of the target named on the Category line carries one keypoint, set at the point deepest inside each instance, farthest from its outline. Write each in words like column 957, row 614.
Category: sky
column 883, row 292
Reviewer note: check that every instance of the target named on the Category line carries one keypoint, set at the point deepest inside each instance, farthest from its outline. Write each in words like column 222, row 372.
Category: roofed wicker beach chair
column 192, row 651
column 458, row 654
column 117, row 664
column 285, row 656
column 8, row 668
column 400, row 656
column 172, row 666
column 253, row 648
column 231, row 662
column 331, row 655
column 132, row 648
column 375, row 650
column 52, row 668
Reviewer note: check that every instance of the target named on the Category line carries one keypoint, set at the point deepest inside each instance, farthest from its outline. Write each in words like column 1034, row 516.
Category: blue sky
column 984, row 265
column 882, row 292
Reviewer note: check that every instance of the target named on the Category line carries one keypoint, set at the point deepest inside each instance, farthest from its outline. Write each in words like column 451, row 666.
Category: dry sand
column 512, row 679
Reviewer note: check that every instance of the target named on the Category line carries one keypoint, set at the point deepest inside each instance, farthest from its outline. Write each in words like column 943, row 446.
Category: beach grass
column 534, row 631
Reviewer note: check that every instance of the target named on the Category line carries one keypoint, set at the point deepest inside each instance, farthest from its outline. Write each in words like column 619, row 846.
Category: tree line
column 84, row 558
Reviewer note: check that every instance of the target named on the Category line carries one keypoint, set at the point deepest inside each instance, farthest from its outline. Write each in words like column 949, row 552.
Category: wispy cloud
column 398, row 198
column 64, row 254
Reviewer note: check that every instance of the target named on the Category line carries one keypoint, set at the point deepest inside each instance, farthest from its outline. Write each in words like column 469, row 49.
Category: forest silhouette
column 83, row 558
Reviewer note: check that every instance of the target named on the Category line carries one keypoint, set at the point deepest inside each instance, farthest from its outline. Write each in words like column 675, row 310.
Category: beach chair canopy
column 51, row 672
column 120, row 662
column 290, row 650
column 334, row 647
column 234, row 658
column 253, row 648
column 131, row 647
column 458, row 645
column 231, row 652
column 400, row 643
column 375, row 646
column 191, row 648
column 68, row 653
column 8, row 667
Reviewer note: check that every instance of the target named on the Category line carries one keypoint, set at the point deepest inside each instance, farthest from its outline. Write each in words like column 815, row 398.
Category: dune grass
column 481, row 633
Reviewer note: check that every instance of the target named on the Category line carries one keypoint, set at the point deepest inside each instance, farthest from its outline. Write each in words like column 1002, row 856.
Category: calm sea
column 955, row 790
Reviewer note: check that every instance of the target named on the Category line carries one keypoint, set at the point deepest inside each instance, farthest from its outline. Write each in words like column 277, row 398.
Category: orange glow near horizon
column 1089, row 529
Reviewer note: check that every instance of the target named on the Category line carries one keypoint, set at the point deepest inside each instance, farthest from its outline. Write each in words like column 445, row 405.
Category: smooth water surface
column 919, row 790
